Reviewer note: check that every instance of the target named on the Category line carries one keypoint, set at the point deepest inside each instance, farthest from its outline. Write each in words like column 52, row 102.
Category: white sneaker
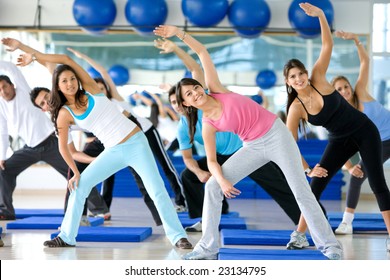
column 343, row 229
column 199, row 256
column 334, row 253
column 197, row 227
column 298, row 241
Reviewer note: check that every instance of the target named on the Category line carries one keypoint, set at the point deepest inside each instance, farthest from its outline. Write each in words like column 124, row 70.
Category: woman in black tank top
column 313, row 99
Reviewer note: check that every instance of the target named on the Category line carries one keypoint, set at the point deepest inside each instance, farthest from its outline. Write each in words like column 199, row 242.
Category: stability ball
column 119, row 74
column 145, row 15
column 249, row 18
column 306, row 26
column 266, row 79
column 93, row 72
column 204, row 13
column 94, row 16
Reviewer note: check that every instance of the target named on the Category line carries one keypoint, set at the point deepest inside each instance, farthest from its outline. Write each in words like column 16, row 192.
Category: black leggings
column 367, row 142
column 355, row 183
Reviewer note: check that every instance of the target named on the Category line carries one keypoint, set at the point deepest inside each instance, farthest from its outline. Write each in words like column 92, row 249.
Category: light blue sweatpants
column 279, row 146
column 136, row 153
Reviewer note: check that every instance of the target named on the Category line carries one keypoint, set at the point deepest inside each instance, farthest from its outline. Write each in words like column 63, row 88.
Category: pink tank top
column 242, row 116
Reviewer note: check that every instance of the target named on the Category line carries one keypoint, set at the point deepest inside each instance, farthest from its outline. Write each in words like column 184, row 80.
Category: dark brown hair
column 191, row 113
column 58, row 99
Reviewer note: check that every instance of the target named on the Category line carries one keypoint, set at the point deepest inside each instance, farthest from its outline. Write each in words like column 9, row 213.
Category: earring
column 289, row 89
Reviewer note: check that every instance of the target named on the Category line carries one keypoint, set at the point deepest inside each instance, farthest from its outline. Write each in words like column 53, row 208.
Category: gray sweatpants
column 279, row 146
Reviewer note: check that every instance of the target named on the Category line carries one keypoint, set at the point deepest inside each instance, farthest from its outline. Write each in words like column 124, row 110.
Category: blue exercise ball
column 145, row 15
column 306, row 26
column 249, row 18
column 266, row 79
column 119, row 74
column 93, row 72
column 205, row 13
column 94, row 16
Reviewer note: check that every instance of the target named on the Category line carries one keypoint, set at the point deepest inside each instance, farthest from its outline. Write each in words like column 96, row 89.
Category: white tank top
column 104, row 120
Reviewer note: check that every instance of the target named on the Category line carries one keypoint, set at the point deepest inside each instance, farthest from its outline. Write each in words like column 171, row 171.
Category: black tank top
column 337, row 116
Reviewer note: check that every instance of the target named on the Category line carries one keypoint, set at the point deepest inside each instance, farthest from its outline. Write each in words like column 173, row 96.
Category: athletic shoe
column 197, row 227
column 199, row 256
column 343, row 229
column 57, row 242
column 181, row 209
column 334, row 253
column 298, row 241
column 388, row 244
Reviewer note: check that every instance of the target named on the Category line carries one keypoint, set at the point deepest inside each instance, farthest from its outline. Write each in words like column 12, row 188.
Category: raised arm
column 87, row 82
column 102, row 71
column 210, row 73
column 321, row 65
column 167, row 46
column 363, row 78
column 14, row 44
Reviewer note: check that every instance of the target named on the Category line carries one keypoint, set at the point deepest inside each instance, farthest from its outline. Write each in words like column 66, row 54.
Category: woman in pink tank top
column 265, row 138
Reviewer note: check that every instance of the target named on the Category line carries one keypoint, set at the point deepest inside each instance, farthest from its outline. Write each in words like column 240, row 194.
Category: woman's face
column 178, row 109
column 193, row 95
column 344, row 88
column 68, row 83
column 297, row 78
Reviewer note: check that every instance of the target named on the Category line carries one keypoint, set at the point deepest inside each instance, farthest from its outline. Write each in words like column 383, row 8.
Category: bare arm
column 102, row 71
column 193, row 166
column 14, row 44
column 78, row 155
column 363, row 78
column 295, row 115
column 168, row 46
column 87, row 82
column 321, row 65
column 210, row 73
column 63, row 122
column 208, row 134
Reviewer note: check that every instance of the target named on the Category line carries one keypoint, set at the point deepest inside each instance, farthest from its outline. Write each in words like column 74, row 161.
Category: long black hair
column 58, row 99
column 291, row 92
column 191, row 113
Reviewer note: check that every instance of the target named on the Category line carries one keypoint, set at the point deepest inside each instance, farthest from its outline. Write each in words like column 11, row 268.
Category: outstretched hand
column 345, row 35
column 11, row 44
column 310, row 9
column 165, row 45
column 166, row 31
column 24, row 59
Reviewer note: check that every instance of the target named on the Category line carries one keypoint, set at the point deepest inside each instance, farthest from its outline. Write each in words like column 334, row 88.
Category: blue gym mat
column 257, row 237
column 111, row 234
column 46, row 223
column 358, row 216
column 226, row 222
column 230, row 215
column 25, row 213
column 363, row 225
column 363, row 222
column 267, row 254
